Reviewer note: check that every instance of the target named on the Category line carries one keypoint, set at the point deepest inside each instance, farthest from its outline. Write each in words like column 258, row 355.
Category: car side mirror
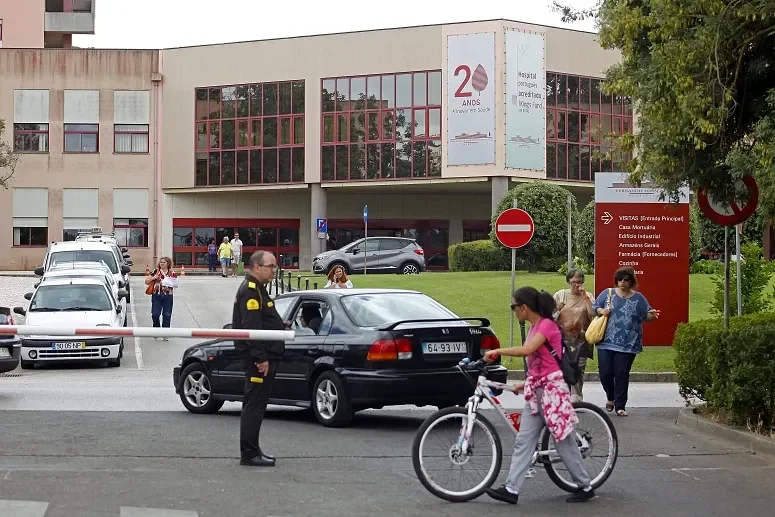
column 39, row 271
column 122, row 293
column 20, row 311
column 118, row 310
column 125, row 269
column 121, row 284
column 126, row 255
column 356, row 251
column 28, row 296
column 130, row 263
column 124, row 250
column 36, row 284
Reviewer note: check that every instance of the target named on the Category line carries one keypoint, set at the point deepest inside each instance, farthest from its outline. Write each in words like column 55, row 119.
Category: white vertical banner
column 471, row 99
column 525, row 101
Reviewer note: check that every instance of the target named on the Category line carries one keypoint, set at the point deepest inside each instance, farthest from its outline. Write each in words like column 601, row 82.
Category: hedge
column 478, row 256
column 733, row 369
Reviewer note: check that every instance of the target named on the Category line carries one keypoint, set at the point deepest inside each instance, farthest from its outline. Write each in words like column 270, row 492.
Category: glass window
column 403, row 90
column 30, row 138
column 371, row 310
column 297, row 158
column 298, row 130
column 66, row 257
column 284, row 165
column 270, row 166
column 182, row 258
column 298, row 98
column 329, row 95
column 203, row 236
column 420, row 89
column 270, row 99
column 242, row 101
column 434, row 89
column 329, row 128
column 267, row 237
column 285, row 131
column 71, row 298
column 256, row 158
column 286, row 93
column 420, row 127
column 289, row 237
column 388, row 92
column 434, row 123
column 342, row 94
column 372, row 244
column 373, row 90
column 81, row 138
column 256, row 99
column 357, row 93
column 270, row 132
column 30, row 236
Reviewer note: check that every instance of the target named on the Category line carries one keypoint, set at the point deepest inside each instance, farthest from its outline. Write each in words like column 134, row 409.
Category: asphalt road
column 88, row 442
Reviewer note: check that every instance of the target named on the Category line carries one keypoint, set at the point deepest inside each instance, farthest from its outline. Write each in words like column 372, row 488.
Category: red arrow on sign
column 733, row 214
column 514, row 228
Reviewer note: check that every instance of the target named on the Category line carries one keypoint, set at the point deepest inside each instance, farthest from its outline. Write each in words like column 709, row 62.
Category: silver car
column 376, row 255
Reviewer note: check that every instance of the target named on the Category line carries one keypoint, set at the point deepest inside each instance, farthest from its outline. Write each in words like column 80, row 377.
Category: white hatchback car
column 72, row 302
column 88, row 269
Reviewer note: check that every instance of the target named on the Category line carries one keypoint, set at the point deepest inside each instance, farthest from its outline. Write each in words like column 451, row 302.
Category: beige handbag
column 596, row 330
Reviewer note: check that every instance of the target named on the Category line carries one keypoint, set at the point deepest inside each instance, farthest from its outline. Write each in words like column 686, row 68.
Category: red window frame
column 251, row 160
column 136, row 226
column 81, row 131
column 235, row 225
column 575, row 127
column 19, row 134
column 376, row 142
column 29, row 238
column 117, row 131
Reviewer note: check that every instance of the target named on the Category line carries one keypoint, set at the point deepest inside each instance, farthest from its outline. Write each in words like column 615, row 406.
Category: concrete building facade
column 183, row 146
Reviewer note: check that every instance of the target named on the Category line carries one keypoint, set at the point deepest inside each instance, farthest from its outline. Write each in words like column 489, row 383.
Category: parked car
column 354, row 349
column 88, row 251
column 10, row 346
column 376, row 255
column 71, row 302
column 88, row 269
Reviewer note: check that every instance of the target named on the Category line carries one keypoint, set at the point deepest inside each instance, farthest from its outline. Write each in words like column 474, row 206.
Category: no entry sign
column 514, row 228
column 730, row 214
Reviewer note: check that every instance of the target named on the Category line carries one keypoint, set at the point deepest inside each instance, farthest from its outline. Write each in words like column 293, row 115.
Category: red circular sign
column 734, row 214
column 514, row 228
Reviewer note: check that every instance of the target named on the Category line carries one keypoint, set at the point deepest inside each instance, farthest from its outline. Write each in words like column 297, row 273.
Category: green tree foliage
column 695, row 233
column 8, row 159
column 712, row 235
column 547, row 204
column 702, row 75
column 584, row 241
column 755, row 275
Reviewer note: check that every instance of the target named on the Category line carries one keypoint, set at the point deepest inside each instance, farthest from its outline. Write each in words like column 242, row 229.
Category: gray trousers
column 530, row 430
column 577, row 390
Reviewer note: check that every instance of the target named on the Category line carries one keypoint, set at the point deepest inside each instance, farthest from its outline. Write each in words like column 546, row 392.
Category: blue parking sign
column 322, row 225
column 365, row 213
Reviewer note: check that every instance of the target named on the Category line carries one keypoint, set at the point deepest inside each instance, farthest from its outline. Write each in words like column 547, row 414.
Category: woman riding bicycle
column 547, row 398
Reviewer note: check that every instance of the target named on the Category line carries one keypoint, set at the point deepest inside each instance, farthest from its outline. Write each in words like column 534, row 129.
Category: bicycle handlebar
column 466, row 364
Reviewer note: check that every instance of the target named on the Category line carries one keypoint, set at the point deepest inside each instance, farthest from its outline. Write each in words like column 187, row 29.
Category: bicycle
column 461, row 451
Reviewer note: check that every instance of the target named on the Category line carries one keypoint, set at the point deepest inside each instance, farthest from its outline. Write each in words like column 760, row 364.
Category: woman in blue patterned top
column 623, row 336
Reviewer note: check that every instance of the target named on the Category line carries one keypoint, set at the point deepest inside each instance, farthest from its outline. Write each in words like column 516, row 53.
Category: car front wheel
column 196, row 390
column 329, row 401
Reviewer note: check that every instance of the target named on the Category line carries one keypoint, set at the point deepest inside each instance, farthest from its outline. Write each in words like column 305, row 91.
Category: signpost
column 322, row 226
column 570, row 232
column 728, row 214
column 365, row 235
column 635, row 228
column 514, row 229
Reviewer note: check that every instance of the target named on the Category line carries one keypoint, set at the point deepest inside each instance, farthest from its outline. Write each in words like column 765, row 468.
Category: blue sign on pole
column 365, row 213
column 322, row 225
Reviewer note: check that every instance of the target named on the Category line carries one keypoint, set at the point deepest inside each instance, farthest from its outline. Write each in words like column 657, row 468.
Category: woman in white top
column 337, row 279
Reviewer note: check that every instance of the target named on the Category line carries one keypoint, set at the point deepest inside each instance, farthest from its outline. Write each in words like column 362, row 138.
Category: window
column 30, row 138
column 579, row 121
column 309, row 318
column 30, row 236
column 1, row 33
column 67, row 257
column 381, row 127
column 371, row 310
column 69, row 234
column 82, row 138
column 249, row 134
column 131, row 233
column 130, row 138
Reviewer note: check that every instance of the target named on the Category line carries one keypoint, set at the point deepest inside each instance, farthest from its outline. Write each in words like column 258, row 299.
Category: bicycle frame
column 482, row 392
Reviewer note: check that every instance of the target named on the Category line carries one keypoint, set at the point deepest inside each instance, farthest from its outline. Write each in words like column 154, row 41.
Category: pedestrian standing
column 623, row 340
column 164, row 282
column 236, row 254
column 574, row 314
column 255, row 310
column 212, row 256
column 224, row 253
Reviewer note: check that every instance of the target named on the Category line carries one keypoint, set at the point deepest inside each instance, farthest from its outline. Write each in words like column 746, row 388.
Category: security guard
column 254, row 309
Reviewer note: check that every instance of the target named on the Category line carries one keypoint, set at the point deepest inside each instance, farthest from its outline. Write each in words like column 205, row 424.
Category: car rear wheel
column 196, row 390
column 329, row 401
column 409, row 268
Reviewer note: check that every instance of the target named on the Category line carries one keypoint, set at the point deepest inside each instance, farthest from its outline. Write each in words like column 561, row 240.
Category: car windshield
column 373, row 310
column 64, row 257
column 68, row 297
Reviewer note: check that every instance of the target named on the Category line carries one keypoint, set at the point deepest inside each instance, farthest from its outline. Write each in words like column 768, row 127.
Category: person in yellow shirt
column 225, row 254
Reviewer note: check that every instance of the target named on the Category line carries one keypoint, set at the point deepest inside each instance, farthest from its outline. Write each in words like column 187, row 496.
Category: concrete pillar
column 318, row 208
column 500, row 187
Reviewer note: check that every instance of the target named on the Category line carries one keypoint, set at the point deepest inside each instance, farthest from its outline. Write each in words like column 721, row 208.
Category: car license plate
column 69, row 346
column 456, row 347
column 4, row 352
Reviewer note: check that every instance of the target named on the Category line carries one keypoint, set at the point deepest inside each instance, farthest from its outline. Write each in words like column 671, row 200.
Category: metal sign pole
column 738, row 231
column 513, row 287
column 365, row 235
column 726, row 276
column 570, row 237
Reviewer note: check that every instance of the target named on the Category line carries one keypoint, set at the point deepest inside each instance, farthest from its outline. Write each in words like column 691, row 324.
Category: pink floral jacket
column 556, row 404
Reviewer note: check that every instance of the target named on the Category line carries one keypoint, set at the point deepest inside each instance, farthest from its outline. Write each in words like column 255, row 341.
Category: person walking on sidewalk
column 164, row 282
column 255, row 310
column 547, row 398
column 212, row 257
column 623, row 339
column 236, row 254
column 225, row 253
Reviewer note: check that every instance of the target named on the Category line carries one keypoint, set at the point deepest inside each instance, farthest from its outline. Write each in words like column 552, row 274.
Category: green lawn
column 486, row 294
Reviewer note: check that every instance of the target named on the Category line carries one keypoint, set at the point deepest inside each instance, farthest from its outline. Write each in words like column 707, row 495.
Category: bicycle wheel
column 607, row 445
column 434, row 466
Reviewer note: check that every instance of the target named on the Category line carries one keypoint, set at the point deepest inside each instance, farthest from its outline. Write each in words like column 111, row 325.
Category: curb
column 660, row 377
column 756, row 444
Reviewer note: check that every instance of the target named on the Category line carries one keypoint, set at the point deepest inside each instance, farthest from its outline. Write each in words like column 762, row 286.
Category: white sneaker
column 165, row 339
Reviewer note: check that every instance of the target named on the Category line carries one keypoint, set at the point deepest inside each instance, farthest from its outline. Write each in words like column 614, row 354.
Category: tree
column 8, row 159
column 547, row 205
column 584, row 241
column 702, row 76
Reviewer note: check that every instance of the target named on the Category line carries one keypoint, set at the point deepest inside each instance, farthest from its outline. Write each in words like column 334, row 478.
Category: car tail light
column 419, row 251
column 489, row 343
column 390, row 350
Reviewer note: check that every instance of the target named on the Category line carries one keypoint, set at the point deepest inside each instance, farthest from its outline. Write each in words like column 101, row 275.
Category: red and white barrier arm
column 245, row 335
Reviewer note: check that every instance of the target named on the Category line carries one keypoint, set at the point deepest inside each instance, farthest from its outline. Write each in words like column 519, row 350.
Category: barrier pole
column 84, row 332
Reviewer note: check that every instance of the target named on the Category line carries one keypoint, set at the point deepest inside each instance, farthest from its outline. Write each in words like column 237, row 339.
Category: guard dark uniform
column 254, row 309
